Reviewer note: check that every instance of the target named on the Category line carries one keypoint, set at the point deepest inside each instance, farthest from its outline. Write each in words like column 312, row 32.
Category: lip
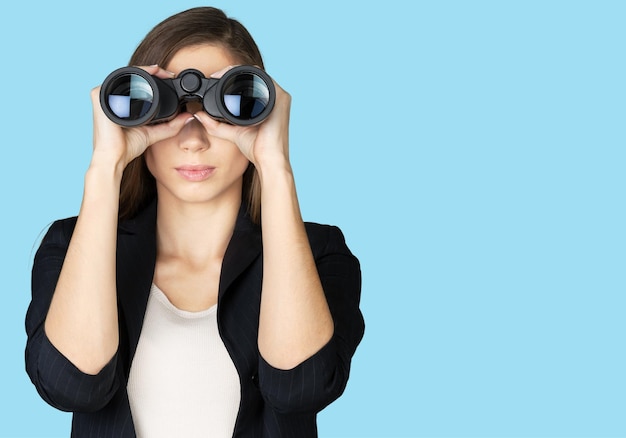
column 195, row 172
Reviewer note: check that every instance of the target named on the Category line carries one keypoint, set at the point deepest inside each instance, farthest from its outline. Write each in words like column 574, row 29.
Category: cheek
column 241, row 163
column 238, row 161
column 149, row 159
column 154, row 156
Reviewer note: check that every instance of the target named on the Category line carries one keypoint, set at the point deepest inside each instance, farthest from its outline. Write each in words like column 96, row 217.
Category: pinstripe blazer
column 274, row 403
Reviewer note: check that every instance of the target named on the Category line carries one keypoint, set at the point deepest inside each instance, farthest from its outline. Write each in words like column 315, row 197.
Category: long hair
column 202, row 25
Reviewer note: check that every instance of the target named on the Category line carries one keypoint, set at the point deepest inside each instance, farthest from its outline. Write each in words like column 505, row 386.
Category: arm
column 82, row 319
column 57, row 380
column 322, row 378
column 295, row 320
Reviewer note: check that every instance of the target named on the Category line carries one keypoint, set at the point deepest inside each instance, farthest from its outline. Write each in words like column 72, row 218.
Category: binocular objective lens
column 130, row 97
column 245, row 95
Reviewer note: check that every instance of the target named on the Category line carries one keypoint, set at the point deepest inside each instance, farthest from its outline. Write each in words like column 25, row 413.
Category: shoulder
column 326, row 239
column 60, row 231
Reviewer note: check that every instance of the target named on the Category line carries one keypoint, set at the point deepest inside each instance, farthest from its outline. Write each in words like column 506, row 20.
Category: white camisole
column 182, row 380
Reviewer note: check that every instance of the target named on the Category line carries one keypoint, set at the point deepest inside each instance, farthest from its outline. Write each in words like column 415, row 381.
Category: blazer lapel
column 136, row 258
column 244, row 247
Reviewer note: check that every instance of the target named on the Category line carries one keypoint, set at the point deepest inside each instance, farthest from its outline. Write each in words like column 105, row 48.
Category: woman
column 164, row 308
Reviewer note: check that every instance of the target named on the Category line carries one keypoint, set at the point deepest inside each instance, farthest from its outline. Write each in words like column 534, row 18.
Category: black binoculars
column 244, row 95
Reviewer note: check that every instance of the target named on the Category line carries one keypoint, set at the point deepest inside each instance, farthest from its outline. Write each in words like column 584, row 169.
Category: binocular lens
column 245, row 95
column 130, row 97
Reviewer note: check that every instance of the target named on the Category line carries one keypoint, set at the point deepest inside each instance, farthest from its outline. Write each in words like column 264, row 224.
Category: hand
column 111, row 141
column 264, row 144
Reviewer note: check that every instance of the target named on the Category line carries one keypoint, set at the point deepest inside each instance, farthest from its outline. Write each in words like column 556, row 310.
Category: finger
column 98, row 113
column 156, row 70
column 218, row 74
column 162, row 131
column 216, row 128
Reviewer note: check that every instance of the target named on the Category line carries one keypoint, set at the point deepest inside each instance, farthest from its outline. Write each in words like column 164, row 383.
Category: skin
column 195, row 221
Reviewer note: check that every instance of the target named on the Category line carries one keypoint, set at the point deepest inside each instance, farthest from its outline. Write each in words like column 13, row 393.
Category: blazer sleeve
column 59, row 382
column 322, row 378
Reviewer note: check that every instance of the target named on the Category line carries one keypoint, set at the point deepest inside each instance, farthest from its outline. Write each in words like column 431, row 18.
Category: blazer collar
column 143, row 221
column 136, row 259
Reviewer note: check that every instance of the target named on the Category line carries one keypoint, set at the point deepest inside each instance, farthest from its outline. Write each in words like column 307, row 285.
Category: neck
column 196, row 232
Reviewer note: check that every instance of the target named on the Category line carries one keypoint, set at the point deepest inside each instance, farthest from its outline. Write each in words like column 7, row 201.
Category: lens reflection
column 245, row 95
column 130, row 97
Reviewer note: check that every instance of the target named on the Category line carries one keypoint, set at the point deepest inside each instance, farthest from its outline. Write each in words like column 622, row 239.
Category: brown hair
column 202, row 25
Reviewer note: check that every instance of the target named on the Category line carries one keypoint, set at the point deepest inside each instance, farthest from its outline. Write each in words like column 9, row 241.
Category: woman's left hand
column 265, row 144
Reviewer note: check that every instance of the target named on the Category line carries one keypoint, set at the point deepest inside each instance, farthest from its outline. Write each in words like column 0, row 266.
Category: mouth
column 195, row 172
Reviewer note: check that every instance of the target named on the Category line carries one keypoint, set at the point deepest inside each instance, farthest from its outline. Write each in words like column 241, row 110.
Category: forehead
column 206, row 58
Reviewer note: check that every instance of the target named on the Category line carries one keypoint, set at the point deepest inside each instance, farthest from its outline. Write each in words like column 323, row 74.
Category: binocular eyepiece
column 244, row 95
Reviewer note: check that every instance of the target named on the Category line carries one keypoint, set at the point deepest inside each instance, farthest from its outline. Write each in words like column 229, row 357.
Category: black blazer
column 274, row 403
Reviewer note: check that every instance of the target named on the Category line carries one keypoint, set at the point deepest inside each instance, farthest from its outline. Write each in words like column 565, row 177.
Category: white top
column 182, row 380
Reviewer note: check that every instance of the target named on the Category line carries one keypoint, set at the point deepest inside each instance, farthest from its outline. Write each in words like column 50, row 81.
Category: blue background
column 473, row 153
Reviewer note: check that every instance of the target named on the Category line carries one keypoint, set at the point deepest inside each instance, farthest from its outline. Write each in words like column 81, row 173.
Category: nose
column 193, row 137
column 193, row 106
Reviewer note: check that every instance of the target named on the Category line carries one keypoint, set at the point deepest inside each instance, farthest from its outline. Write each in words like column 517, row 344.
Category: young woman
column 188, row 298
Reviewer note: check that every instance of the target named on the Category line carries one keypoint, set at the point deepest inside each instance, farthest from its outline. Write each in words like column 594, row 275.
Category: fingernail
column 190, row 119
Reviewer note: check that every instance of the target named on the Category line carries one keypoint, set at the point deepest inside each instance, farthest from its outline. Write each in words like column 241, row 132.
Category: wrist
column 105, row 164
column 270, row 167
column 102, row 190
column 103, row 178
column 278, row 189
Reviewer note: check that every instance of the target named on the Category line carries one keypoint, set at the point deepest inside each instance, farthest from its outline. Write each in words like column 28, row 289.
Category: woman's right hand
column 112, row 142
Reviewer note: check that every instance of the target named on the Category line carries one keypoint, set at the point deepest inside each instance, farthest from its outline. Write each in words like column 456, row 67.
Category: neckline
column 187, row 314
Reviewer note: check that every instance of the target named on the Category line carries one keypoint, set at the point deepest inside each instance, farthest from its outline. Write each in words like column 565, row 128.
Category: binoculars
column 244, row 96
